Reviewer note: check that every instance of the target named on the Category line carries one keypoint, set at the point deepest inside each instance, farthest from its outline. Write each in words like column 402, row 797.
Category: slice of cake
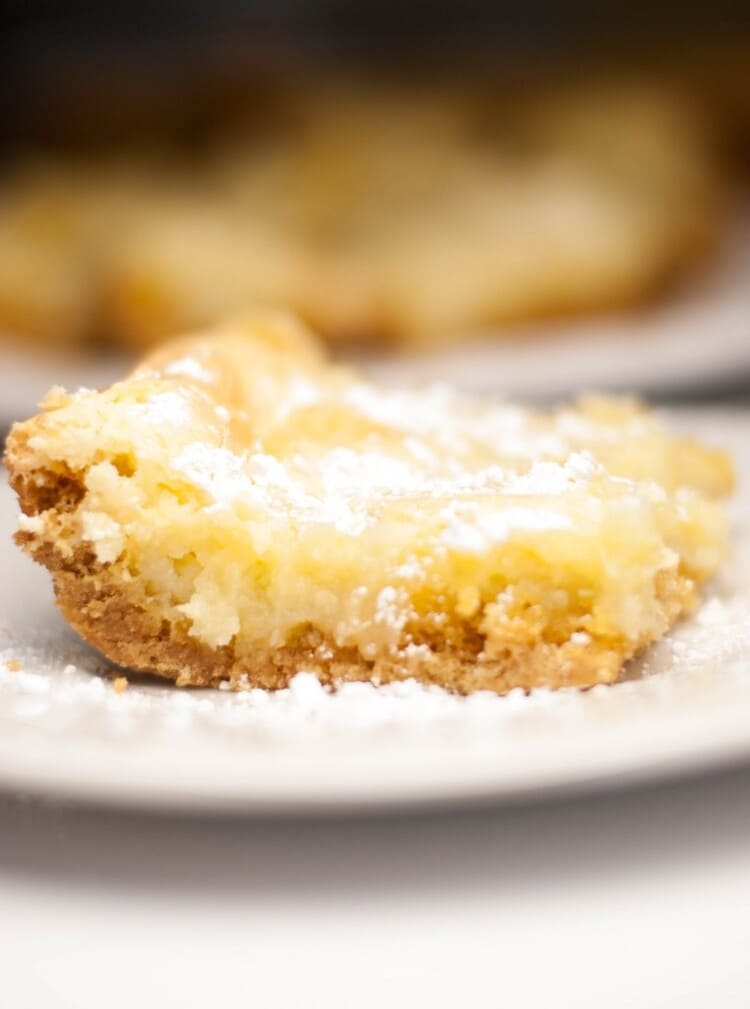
column 239, row 509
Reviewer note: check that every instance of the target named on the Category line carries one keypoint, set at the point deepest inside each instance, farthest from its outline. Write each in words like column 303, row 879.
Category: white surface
column 64, row 732
column 639, row 900
column 697, row 337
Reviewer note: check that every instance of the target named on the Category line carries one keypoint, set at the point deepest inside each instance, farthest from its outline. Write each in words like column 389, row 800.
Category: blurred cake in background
column 403, row 212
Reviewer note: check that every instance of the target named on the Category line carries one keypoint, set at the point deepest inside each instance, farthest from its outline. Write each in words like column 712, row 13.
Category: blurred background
column 526, row 198
column 441, row 191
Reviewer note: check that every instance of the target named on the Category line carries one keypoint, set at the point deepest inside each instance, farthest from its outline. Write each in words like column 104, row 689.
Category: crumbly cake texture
column 238, row 510
column 377, row 215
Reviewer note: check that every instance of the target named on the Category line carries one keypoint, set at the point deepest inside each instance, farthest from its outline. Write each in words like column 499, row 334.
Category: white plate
column 699, row 337
column 65, row 732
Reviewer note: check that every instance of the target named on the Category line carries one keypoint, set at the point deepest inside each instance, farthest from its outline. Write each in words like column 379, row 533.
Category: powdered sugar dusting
column 344, row 487
column 189, row 367
column 168, row 407
column 480, row 531
column 214, row 469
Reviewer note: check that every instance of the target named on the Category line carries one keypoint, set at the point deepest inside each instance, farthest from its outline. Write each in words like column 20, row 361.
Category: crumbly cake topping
column 345, row 488
column 256, row 496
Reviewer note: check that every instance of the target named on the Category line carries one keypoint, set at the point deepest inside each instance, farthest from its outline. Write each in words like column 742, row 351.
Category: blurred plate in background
column 696, row 341
column 27, row 373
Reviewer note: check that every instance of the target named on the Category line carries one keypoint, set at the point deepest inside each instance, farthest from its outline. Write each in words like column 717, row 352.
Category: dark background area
column 131, row 66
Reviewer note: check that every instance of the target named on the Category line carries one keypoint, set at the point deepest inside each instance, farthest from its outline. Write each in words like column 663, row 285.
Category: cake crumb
column 468, row 601
column 120, row 684
column 13, row 664
column 580, row 638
